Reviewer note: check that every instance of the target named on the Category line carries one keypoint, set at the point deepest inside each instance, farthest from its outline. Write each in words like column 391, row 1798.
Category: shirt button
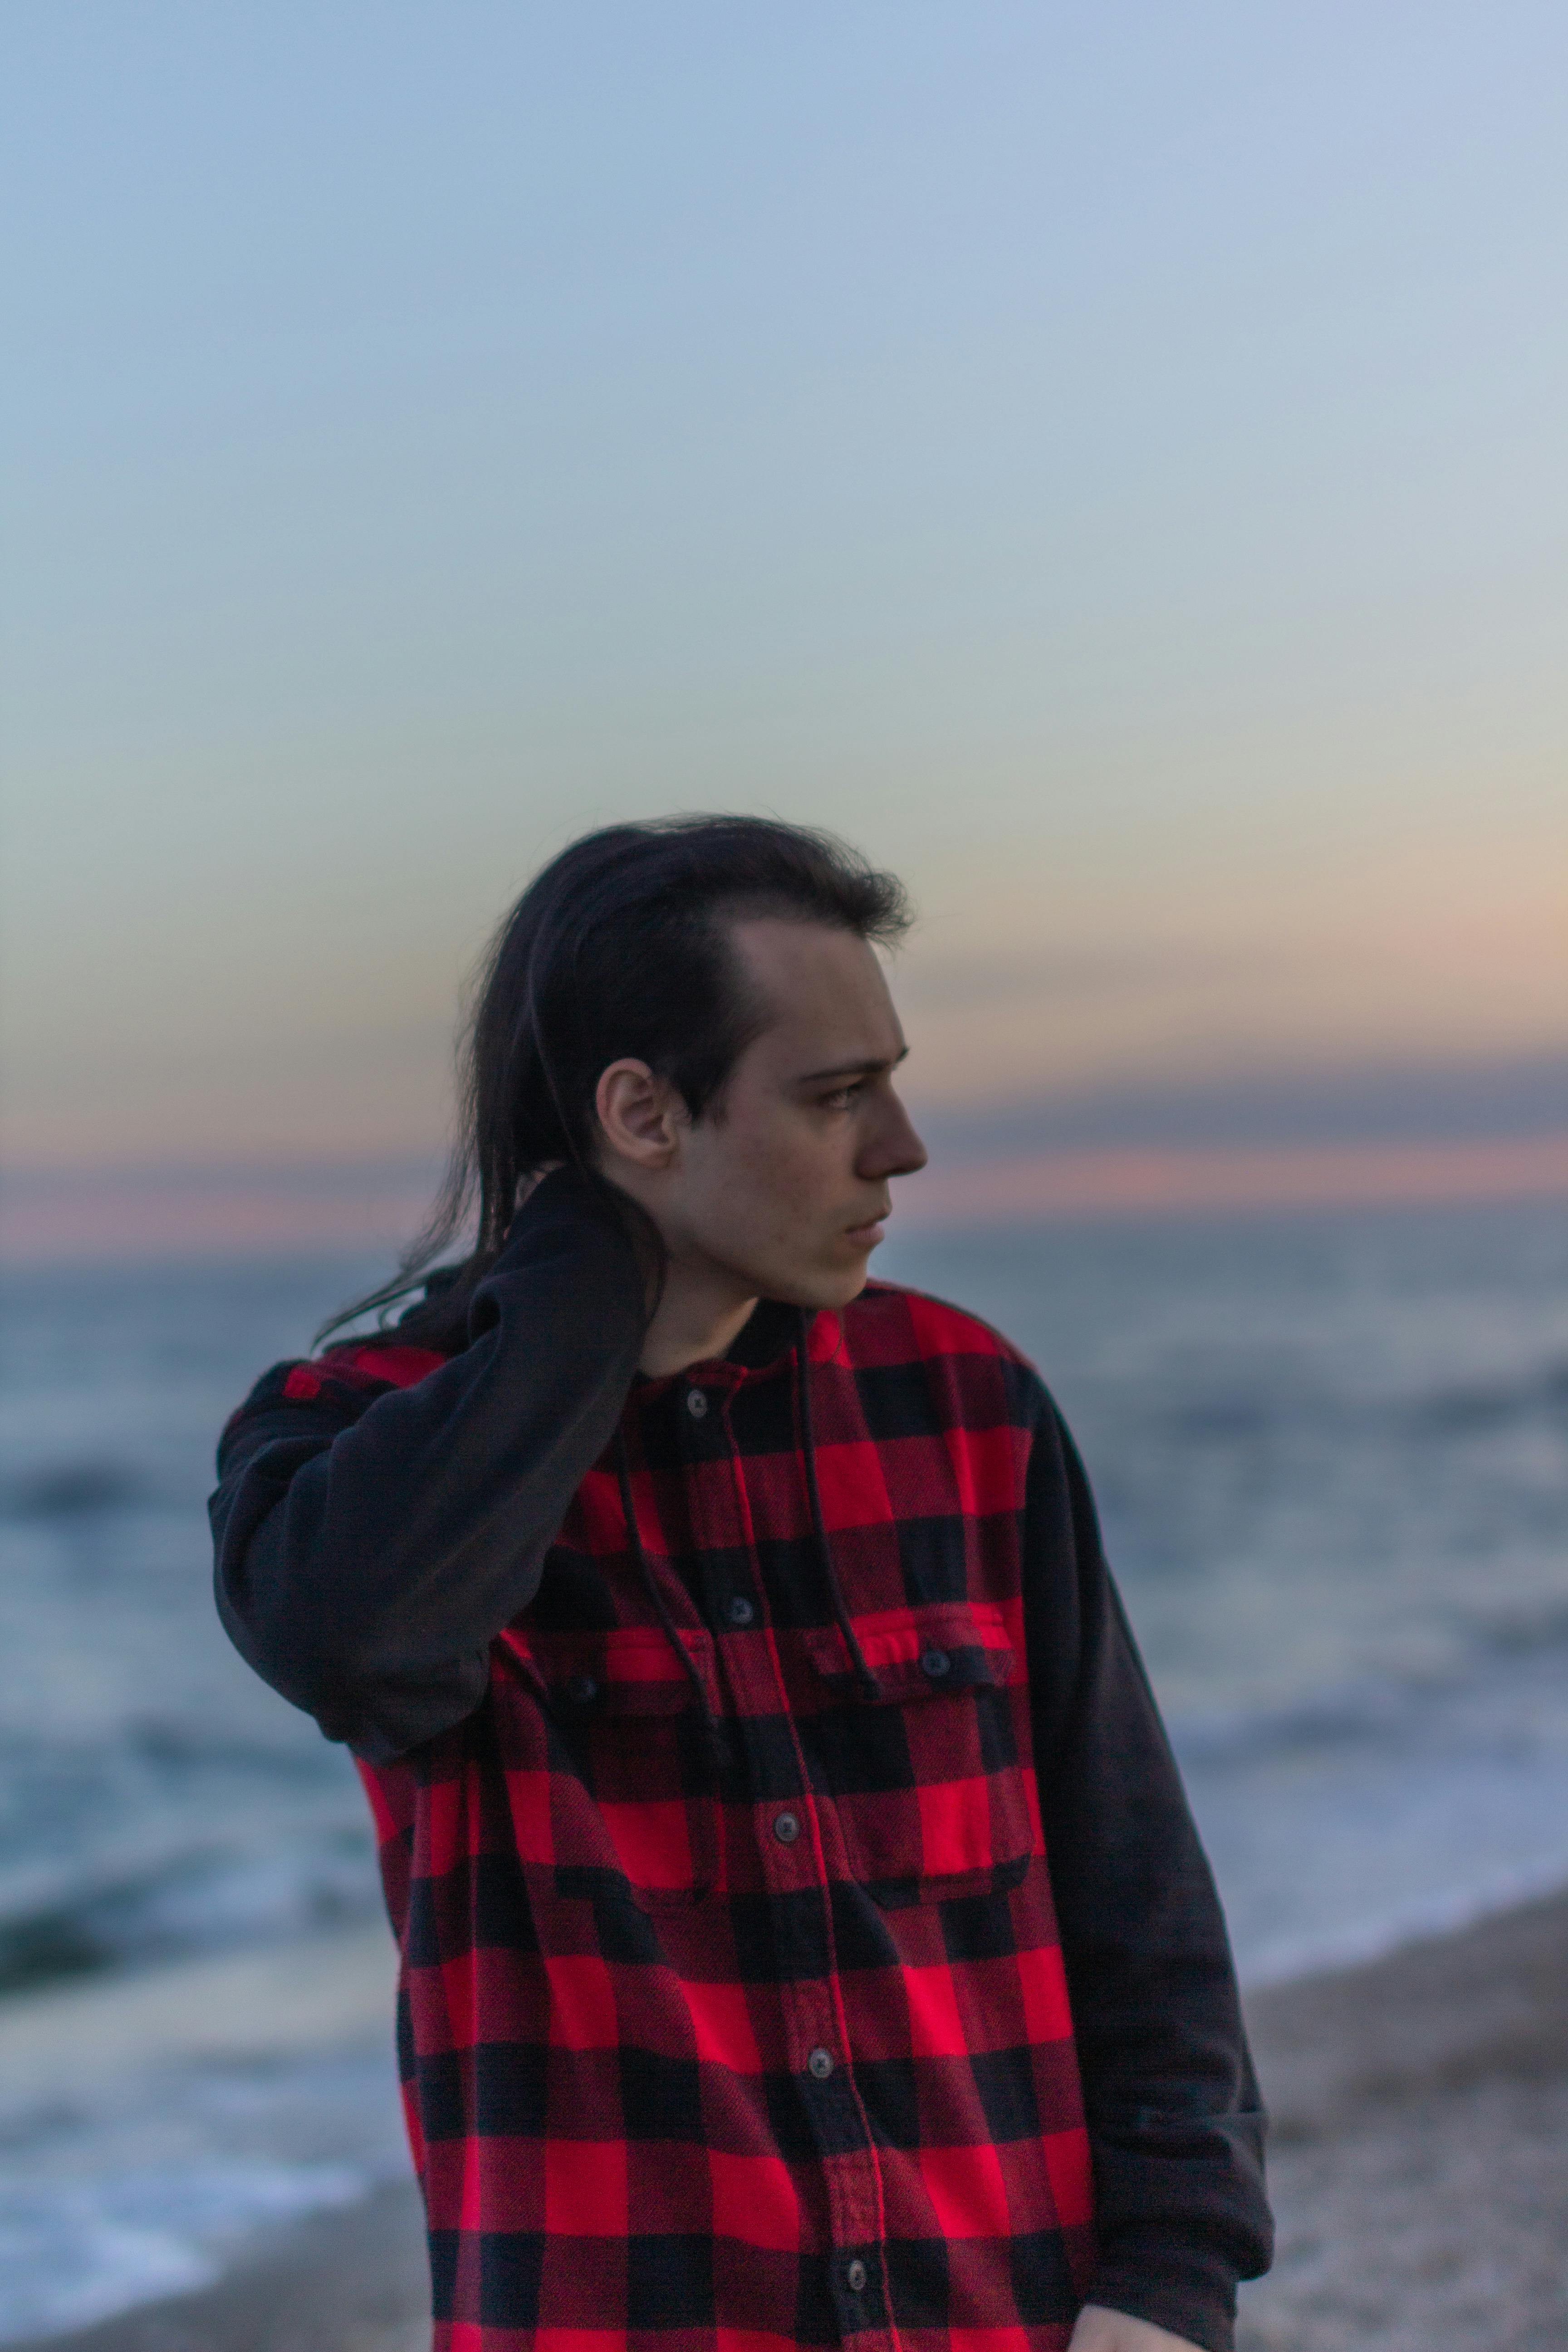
column 855, row 2275
column 695, row 1403
column 820, row 2066
column 740, row 1611
column 935, row 1662
column 582, row 1690
column 786, row 1829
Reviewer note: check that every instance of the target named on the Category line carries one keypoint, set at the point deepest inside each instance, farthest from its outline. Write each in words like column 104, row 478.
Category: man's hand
column 1098, row 2330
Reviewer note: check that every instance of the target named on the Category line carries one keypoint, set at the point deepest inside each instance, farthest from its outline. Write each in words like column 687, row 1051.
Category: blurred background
column 1106, row 462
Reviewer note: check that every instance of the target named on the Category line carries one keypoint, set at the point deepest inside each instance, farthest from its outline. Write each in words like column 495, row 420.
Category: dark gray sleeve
column 368, row 1553
column 1174, row 2117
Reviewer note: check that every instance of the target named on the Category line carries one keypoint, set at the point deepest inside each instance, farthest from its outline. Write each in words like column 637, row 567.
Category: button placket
column 707, row 1441
column 793, row 1865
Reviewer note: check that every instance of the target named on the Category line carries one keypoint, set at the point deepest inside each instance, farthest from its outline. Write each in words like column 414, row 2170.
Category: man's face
column 781, row 1190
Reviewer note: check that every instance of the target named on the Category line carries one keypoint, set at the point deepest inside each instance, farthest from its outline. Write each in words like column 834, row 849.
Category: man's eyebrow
column 865, row 1069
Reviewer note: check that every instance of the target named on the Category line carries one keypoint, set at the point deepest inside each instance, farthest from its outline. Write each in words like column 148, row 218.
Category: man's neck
column 699, row 1313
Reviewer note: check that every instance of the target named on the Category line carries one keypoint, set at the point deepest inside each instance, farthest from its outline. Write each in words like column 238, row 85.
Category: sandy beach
column 1420, row 2172
column 1419, row 2159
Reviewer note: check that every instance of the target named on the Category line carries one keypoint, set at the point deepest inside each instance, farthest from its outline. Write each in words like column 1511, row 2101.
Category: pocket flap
column 626, row 1670
column 919, row 1653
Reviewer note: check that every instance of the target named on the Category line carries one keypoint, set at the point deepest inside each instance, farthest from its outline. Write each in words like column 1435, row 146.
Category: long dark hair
column 619, row 948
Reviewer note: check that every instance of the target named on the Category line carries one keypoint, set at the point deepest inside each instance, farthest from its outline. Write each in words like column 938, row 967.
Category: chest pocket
column 926, row 1777
column 633, row 1797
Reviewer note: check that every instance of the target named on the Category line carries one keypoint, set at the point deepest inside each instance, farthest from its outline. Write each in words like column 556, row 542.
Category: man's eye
column 842, row 1096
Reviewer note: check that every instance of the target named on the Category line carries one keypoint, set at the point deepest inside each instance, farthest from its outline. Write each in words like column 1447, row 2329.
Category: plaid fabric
column 733, row 2053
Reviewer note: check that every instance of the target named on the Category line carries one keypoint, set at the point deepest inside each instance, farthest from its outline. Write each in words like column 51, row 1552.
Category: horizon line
column 375, row 1207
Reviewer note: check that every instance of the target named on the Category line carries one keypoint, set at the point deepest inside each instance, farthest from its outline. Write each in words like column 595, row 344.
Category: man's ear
column 638, row 1114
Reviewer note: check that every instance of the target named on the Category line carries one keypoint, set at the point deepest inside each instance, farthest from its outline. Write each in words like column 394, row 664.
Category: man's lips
column 871, row 1231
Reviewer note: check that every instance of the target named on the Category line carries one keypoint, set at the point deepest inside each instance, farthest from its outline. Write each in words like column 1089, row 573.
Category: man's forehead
column 824, row 991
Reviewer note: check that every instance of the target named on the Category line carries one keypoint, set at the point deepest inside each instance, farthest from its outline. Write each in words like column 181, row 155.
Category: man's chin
column 830, row 1278
column 830, row 1287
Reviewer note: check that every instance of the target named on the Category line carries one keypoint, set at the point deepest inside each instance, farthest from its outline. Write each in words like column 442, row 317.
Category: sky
column 1107, row 461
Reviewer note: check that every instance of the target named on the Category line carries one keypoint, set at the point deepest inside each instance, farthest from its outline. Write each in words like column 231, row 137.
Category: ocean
column 1331, row 1459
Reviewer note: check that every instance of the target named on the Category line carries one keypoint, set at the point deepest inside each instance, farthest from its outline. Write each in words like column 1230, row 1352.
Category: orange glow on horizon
column 191, row 1215
column 1171, row 1181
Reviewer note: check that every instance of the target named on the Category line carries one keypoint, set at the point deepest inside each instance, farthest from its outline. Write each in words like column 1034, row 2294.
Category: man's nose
column 895, row 1149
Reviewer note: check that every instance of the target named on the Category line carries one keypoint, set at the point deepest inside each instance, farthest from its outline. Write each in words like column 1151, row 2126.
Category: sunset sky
column 1107, row 461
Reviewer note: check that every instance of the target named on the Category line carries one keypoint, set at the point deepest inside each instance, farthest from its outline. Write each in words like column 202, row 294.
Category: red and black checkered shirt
column 733, row 2010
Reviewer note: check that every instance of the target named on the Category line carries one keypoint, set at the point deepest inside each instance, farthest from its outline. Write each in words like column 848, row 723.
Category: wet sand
column 1419, row 2166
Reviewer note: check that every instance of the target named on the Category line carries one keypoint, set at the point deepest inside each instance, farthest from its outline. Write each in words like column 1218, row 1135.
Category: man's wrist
column 1100, row 2329
column 1177, row 2281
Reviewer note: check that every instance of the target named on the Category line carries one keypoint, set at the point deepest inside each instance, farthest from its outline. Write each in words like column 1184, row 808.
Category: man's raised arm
column 368, row 1552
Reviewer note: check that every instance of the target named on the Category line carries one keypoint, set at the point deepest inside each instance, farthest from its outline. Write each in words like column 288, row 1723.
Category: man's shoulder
column 328, row 1391
column 892, row 1317
column 360, row 1365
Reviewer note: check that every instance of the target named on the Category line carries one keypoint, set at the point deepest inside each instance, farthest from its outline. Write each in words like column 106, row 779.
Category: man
column 804, row 1934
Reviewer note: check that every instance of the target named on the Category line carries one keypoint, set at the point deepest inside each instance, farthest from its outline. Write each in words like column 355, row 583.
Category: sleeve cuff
column 1173, row 2284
